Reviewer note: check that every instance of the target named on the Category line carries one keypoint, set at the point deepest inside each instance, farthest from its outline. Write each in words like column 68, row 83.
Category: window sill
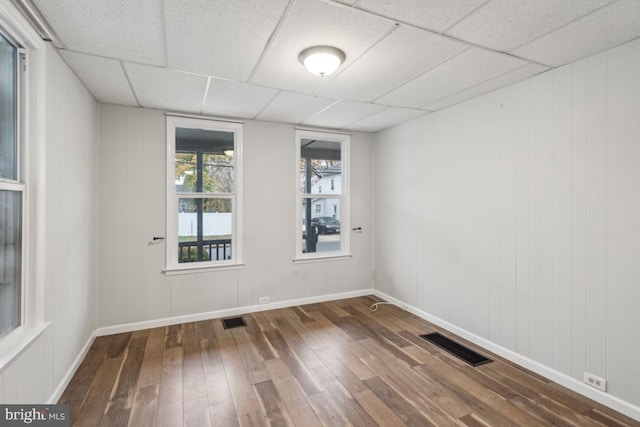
column 16, row 342
column 175, row 271
column 321, row 258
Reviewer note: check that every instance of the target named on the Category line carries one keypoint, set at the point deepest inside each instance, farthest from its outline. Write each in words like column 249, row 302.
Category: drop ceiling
column 404, row 58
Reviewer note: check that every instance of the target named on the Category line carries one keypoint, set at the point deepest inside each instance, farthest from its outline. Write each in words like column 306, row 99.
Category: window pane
column 8, row 92
column 10, row 259
column 321, row 228
column 218, row 173
column 204, row 161
column 320, row 165
column 204, row 229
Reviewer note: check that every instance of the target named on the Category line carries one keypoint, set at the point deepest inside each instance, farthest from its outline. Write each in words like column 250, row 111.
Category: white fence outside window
column 213, row 224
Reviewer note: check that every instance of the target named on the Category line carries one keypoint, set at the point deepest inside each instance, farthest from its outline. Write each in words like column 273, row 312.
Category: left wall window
column 11, row 186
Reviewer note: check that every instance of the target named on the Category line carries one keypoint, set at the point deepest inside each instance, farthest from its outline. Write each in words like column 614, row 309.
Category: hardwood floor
column 331, row 364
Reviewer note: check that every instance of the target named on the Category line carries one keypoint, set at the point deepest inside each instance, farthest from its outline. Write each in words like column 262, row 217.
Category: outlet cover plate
column 595, row 381
column 263, row 300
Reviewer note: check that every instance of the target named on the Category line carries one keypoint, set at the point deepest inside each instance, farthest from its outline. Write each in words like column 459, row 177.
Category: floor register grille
column 458, row 350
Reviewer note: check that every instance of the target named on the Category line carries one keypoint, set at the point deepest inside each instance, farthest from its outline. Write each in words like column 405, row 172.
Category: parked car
column 326, row 224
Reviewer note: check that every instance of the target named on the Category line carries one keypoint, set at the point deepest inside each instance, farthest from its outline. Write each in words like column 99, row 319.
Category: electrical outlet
column 263, row 300
column 593, row 381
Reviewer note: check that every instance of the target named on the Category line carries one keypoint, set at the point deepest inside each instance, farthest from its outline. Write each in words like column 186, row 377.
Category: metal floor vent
column 233, row 322
column 462, row 352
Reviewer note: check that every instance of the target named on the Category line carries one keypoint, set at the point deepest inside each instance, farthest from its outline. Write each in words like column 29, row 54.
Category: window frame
column 172, row 266
column 345, row 197
column 17, row 185
column 31, row 176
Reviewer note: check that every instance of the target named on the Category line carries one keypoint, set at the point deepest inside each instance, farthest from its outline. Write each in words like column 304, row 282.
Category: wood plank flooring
column 329, row 364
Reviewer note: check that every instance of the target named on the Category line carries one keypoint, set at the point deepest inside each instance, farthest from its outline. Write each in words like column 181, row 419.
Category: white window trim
column 344, row 196
column 30, row 130
column 172, row 267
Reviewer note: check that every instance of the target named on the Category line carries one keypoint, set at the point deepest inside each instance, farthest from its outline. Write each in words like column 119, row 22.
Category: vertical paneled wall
column 71, row 212
column 516, row 216
column 64, row 132
column 132, row 209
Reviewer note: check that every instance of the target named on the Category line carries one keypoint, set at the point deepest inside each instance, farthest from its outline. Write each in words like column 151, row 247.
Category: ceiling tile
column 390, row 117
column 290, row 107
column 222, row 38
column 604, row 29
column 402, row 55
column 130, row 30
column 468, row 69
column 507, row 24
column 235, row 99
column 104, row 77
column 506, row 79
column 343, row 113
column 166, row 89
column 311, row 23
column 434, row 15
column 118, row 48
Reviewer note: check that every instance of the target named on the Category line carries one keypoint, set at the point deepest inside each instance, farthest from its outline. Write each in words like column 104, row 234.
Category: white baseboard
column 571, row 383
column 147, row 324
column 66, row 379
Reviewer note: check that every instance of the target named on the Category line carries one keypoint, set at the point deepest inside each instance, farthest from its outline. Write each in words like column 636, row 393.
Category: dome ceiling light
column 322, row 60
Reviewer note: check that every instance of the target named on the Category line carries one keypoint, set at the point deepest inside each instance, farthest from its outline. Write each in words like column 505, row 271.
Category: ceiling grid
column 404, row 58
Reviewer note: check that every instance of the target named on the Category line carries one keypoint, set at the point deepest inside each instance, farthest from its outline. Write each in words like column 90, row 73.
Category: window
column 322, row 158
column 203, row 188
column 11, row 187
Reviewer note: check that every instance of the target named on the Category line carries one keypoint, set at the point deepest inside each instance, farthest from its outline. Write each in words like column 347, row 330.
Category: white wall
column 65, row 149
column 132, row 211
column 516, row 216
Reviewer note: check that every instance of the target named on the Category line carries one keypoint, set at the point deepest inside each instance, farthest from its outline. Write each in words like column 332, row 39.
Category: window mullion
column 206, row 195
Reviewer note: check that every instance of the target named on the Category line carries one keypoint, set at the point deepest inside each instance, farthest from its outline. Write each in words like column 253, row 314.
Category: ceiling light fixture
column 322, row 60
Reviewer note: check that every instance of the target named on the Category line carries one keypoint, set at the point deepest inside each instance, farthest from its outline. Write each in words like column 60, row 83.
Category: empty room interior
column 275, row 212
